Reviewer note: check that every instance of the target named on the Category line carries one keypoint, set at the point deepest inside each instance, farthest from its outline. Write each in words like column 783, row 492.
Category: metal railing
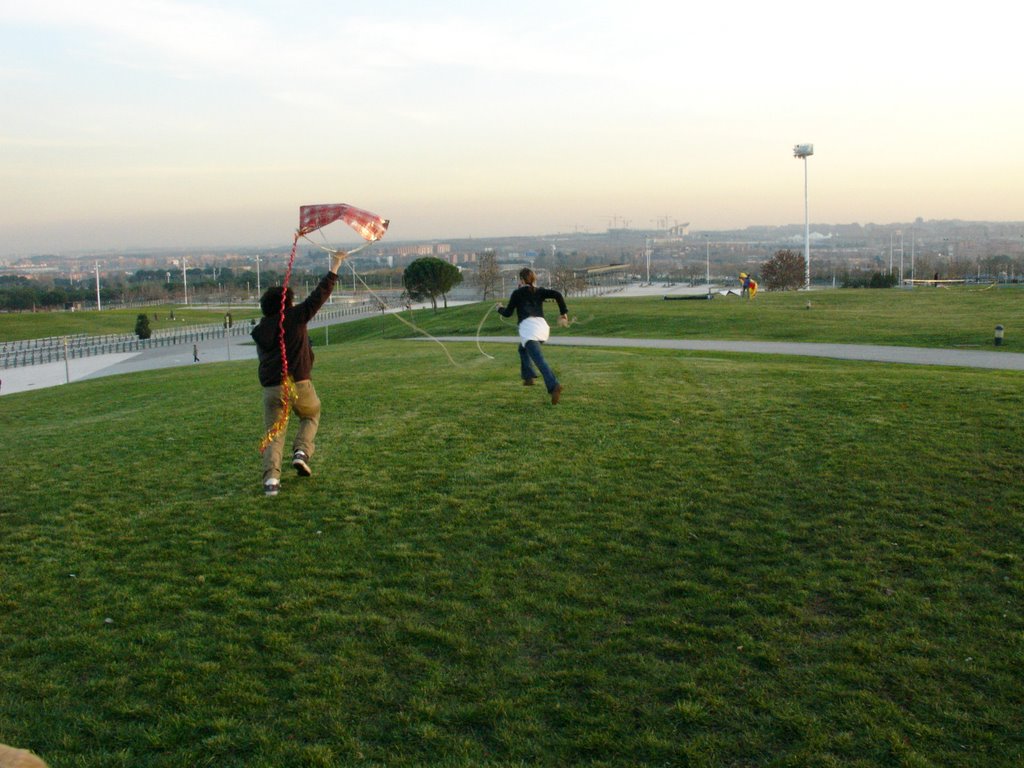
column 52, row 349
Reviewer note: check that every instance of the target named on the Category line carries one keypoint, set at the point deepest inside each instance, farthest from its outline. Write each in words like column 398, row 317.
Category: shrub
column 142, row 329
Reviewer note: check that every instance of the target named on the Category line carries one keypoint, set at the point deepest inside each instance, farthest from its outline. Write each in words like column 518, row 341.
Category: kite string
column 574, row 321
column 379, row 299
column 486, row 314
column 287, row 389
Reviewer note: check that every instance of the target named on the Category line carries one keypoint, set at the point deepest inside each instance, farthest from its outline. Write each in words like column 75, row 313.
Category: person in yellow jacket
column 749, row 286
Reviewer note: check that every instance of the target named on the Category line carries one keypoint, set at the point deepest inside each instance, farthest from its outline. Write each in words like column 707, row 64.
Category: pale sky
column 181, row 123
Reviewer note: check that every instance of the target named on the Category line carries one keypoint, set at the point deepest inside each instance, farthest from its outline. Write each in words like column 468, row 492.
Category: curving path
column 218, row 351
column 965, row 358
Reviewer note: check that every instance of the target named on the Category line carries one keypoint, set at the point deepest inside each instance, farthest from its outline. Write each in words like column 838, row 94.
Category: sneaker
column 271, row 487
column 556, row 394
column 300, row 462
column 528, row 382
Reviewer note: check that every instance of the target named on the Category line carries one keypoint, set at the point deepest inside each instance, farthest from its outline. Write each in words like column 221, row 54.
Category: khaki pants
column 306, row 406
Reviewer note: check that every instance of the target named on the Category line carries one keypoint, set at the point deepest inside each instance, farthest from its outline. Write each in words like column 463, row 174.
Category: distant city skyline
column 163, row 123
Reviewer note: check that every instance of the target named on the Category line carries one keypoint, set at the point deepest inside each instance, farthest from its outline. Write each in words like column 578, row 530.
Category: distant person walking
column 195, row 353
column 527, row 301
column 306, row 404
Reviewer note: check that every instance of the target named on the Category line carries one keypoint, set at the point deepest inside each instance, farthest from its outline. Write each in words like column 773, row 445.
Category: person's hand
column 336, row 258
column 563, row 321
column 498, row 306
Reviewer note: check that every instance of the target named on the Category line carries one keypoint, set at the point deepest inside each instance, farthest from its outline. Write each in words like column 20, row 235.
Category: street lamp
column 803, row 151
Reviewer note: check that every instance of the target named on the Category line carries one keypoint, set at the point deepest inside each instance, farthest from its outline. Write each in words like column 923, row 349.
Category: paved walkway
column 240, row 348
column 965, row 358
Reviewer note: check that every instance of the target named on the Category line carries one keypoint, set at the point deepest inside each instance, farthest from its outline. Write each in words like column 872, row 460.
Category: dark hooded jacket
column 527, row 301
column 299, row 350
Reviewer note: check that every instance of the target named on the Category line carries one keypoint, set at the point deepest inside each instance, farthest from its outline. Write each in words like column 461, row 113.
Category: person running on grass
column 527, row 301
column 306, row 404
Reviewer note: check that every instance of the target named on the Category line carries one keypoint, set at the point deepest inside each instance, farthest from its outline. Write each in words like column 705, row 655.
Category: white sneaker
column 299, row 461
column 271, row 487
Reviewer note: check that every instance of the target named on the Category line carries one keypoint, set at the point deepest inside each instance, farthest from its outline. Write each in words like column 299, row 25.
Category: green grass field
column 694, row 560
column 923, row 317
column 964, row 317
column 35, row 325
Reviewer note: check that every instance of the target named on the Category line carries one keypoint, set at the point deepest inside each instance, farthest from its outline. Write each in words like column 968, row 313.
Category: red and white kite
column 370, row 226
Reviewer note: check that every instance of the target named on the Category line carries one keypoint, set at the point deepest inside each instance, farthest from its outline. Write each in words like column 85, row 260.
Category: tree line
column 19, row 294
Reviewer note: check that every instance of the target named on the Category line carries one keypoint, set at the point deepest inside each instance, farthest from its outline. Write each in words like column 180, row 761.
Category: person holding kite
column 527, row 301
column 748, row 286
column 296, row 385
column 282, row 343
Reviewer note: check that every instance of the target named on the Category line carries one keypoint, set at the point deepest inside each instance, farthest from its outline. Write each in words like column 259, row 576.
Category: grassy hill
column 959, row 317
column 36, row 325
column 923, row 318
column 695, row 559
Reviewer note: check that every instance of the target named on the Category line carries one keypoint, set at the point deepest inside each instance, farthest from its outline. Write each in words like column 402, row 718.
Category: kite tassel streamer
column 288, row 394
column 287, row 388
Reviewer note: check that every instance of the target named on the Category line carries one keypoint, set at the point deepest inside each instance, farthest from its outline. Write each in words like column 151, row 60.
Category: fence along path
column 52, row 349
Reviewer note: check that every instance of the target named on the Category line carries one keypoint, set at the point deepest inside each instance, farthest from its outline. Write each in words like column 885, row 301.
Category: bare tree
column 784, row 271
column 488, row 274
column 568, row 281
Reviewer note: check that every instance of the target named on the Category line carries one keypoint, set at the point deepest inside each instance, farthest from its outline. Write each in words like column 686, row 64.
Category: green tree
column 430, row 277
column 784, row 271
column 142, row 327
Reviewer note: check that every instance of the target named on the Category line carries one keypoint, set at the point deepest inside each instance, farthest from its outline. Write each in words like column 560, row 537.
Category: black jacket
column 300, row 351
column 529, row 302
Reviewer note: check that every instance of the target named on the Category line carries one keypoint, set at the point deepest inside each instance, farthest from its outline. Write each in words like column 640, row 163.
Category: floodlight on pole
column 803, row 151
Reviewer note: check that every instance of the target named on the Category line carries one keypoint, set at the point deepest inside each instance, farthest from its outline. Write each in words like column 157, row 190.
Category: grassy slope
column 693, row 560
column 925, row 318
column 922, row 317
column 36, row 325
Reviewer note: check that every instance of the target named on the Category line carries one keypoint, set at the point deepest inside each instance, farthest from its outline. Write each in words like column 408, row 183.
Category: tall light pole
column 901, row 258
column 707, row 258
column 803, row 151
column 913, row 274
column 99, row 306
column 184, row 277
column 330, row 300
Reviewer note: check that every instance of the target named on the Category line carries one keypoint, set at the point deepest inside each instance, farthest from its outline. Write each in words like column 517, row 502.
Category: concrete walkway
column 241, row 348
column 963, row 358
